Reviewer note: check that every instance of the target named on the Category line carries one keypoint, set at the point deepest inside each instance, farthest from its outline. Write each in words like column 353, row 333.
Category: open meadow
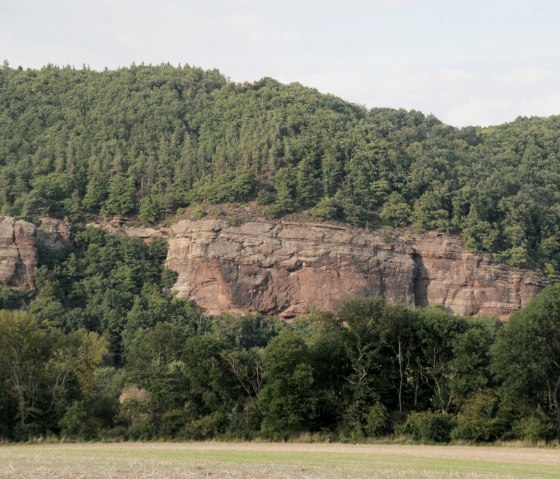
column 273, row 460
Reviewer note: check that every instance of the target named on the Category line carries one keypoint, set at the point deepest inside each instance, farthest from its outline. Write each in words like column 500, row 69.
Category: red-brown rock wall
column 288, row 268
column 18, row 252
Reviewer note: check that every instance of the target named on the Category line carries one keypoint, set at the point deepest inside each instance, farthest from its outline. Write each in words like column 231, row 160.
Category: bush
column 206, row 427
column 72, row 423
column 274, row 211
column 226, row 188
column 233, row 221
column 244, row 422
column 537, row 427
column 265, row 197
column 478, row 422
column 429, row 426
column 376, row 420
column 199, row 213
column 328, row 209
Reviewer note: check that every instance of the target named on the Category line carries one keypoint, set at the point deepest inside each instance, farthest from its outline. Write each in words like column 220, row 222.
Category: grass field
column 275, row 461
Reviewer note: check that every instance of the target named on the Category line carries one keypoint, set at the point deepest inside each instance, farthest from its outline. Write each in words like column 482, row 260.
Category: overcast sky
column 475, row 62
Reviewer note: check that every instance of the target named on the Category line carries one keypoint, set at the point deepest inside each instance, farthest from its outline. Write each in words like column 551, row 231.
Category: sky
column 476, row 62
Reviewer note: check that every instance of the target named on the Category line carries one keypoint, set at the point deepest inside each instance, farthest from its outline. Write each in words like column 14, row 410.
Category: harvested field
column 274, row 461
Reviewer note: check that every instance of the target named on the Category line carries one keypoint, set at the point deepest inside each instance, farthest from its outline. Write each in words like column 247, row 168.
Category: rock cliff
column 18, row 252
column 287, row 268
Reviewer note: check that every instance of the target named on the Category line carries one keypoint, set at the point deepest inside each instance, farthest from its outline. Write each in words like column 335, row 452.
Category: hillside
column 270, row 199
column 103, row 350
column 146, row 141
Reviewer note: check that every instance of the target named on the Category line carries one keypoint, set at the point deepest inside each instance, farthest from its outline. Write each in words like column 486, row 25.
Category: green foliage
column 287, row 400
column 41, row 370
column 12, row 298
column 148, row 211
column 429, row 426
column 377, row 420
column 371, row 369
column 264, row 197
column 120, row 200
column 226, row 188
column 396, row 211
column 478, row 420
column 525, row 357
column 108, row 284
column 147, row 140
column 285, row 184
column 329, row 208
column 534, row 428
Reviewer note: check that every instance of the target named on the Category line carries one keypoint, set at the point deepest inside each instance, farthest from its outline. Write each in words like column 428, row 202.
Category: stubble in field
column 274, row 461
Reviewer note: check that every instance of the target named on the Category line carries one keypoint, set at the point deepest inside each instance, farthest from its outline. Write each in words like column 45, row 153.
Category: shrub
column 199, row 213
column 265, row 197
column 376, row 420
column 477, row 421
column 227, row 188
column 273, row 211
column 206, row 427
column 233, row 221
column 534, row 428
column 429, row 426
column 328, row 209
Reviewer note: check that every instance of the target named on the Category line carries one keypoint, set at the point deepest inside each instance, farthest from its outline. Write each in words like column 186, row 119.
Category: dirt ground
column 274, row 461
column 491, row 453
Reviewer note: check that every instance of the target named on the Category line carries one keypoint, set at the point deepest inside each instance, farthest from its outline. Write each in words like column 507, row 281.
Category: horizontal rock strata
column 288, row 268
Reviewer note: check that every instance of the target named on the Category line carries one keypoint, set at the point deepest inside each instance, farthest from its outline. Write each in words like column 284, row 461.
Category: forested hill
column 147, row 140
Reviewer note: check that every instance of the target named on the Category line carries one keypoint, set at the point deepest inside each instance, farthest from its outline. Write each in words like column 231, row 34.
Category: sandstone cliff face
column 18, row 252
column 287, row 268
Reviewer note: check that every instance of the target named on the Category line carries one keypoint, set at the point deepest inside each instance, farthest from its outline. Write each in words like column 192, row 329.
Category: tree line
column 147, row 140
column 102, row 350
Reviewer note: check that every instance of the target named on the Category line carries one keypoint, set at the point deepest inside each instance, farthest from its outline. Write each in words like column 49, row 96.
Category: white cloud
column 241, row 22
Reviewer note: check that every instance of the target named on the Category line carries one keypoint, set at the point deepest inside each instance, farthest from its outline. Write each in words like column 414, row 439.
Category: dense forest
column 103, row 350
column 145, row 141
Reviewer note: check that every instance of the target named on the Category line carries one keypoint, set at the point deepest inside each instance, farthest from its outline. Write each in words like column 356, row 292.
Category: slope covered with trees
column 147, row 140
column 105, row 351
column 102, row 349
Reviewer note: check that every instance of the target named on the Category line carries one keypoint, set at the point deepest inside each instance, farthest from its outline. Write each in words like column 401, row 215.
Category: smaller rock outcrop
column 18, row 252
column 54, row 234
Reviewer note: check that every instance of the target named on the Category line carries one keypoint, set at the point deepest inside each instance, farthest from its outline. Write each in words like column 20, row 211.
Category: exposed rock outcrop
column 287, row 268
column 18, row 252
column 54, row 234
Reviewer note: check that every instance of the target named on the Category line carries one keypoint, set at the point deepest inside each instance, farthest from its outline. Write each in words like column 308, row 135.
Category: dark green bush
column 478, row 420
column 429, row 426
column 226, row 188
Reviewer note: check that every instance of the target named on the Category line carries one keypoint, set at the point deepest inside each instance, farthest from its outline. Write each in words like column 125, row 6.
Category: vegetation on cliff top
column 147, row 140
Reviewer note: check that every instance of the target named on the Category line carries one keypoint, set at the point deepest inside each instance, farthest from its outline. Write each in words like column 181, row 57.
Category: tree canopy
column 146, row 140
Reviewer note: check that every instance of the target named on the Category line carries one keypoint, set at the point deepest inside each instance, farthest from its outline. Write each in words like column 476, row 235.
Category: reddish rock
column 287, row 268
column 18, row 252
